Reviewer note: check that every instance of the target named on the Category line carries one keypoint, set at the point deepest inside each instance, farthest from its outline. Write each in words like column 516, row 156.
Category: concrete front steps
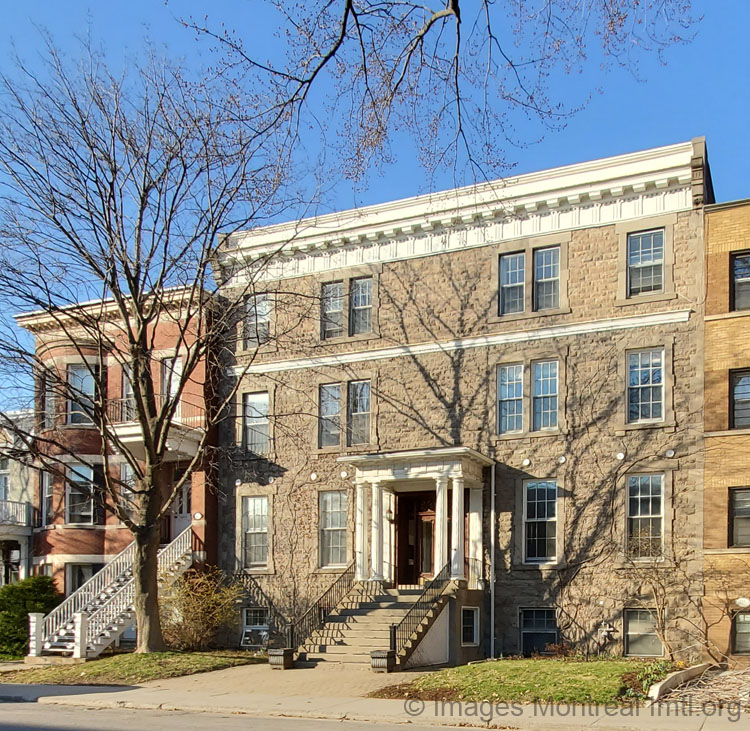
column 359, row 625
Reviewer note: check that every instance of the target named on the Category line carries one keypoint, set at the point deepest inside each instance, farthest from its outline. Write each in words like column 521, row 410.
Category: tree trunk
column 145, row 576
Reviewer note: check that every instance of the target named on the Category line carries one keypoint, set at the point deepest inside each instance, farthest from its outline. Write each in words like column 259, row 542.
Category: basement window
column 469, row 626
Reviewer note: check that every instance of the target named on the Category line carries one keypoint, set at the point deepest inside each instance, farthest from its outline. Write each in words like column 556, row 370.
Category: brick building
column 500, row 386
column 726, row 502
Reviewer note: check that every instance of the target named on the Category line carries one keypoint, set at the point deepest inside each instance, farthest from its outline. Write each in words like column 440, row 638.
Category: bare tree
column 115, row 190
column 466, row 80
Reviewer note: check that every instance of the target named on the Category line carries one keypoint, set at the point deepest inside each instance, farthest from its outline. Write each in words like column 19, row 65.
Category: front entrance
column 415, row 537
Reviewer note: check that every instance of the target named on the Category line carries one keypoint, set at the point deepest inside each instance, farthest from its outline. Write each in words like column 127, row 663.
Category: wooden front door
column 415, row 537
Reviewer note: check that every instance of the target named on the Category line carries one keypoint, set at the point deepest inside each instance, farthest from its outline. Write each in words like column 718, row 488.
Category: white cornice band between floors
column 482, row 341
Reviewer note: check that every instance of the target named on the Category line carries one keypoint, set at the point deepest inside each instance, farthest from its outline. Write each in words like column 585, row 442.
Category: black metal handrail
column 433, row 590
column 315, row 617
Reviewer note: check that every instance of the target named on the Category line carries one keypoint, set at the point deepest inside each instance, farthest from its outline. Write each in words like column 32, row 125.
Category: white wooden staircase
column 95, row 615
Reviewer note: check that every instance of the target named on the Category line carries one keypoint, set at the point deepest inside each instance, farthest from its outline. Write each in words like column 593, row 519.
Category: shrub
column 197, row 607
column 638, row 682
column 35, row 594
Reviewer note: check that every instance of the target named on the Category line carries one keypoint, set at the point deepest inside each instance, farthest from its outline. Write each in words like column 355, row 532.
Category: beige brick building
column 497, row 387
column 727, row 424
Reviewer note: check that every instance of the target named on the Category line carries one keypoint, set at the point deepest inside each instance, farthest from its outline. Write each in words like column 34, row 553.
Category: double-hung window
column 257, row 320
column 255, row 423
column 360, row 306
column 538, row 630
column 332, row 517
column 740, row 399
column 512, row 283
column 641, row 637
column 469, row 626
column 358, row 407
column 547, row 278
column 739, row 511
column 645, row 516
column 510, row 398
column 4, row 479
column 645, row 262
column 540, row 520
column 48, row 407
column 81, row 387
column 545, row 395
column 358, row 413
column 329, row 415
column 255, row 531
column 47, row 505
column 79, row 501
column 741, row 281
column 646, row 386
column 332, row 310
column 741, row 633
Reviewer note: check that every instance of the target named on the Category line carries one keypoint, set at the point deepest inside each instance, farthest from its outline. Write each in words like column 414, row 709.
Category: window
column 512, row 283
column 538, row 629
column 332, row 517
column 740, row 399
column 329, row 415
column 127, row 498
column 4, row 479
column 44, row 569
column 645, row 386
column 332, row 310
column 255, row 423
column 79, row 573
column 645, row 516
column 46, row 498
column 254, row 627
column 510, row 398
column 255, row 529
column 358, row 413
column 641, row 638
column 81, row 385
column 540, row 518
column 545, row 395
column 257, row 320
column 360, row 306
column 739, row 512
column 48, row 406
column 741, row 633
column 469, row 626
column 645, row 262
column 741, row 281
column 128, row 395
column 79, row 501
column 547, row 278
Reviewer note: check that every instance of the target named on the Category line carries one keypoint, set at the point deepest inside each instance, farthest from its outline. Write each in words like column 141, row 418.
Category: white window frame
column 47, row 497
column 251, row 422
column 534, row 427
column 326, row 300
column 512, row 274
column 257, row 320
column 640, row 386
column 49, row 417
column 322, row 528
column 356, row 306
column 516, row 382
column 626, row 634
column 76, row 394
column 72, row 470
column 646, row 516
column 261, row 500
column 475, row 613
column 334, row 418
column 539, row 280
column 546, row 520
column 640, row 265
column 5, row 479
column 351, row 414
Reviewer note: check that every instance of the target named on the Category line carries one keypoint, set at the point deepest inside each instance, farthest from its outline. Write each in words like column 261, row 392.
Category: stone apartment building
column 500, row 386
column 726, row 506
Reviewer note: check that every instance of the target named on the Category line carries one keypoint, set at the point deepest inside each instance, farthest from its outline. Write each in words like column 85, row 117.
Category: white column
column 36, row 625
column 388, row 507
column 475, row 537
column 23, row 565
column 80, row 633
column 457, row 529
column 441, row 522
column 360, row 534
column 376, row 532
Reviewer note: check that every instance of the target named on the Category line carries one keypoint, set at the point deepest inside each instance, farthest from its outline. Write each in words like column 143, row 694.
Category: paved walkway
column 334, row 692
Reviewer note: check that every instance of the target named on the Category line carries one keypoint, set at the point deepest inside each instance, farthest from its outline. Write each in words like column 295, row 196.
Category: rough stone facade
column 445, row 394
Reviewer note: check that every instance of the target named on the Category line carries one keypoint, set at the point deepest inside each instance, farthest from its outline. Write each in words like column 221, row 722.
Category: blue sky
column 703, row 89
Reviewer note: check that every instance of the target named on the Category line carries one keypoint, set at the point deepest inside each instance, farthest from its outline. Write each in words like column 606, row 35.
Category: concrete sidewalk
column 289, row 694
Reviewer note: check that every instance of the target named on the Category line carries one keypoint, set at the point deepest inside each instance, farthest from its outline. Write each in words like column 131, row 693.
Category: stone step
column 363, row 659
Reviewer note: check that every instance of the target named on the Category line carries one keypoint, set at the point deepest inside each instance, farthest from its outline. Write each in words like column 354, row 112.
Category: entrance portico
column 401, row 549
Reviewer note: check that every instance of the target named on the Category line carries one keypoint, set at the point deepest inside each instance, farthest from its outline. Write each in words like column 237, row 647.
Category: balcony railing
column 15, row 513
column 123, row 411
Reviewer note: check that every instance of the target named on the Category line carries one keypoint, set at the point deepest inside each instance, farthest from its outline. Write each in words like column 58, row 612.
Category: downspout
column 493, row 528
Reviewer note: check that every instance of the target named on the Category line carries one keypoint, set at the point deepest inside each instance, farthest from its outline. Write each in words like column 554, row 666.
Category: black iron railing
column 433, row 590
column 315, row 617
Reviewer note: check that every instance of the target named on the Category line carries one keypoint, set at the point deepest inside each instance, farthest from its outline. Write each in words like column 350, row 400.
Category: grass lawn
column 132, row 669
column 527, row 680
column 4, row 657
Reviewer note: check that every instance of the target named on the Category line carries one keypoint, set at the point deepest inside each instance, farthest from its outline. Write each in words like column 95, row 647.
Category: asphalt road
column 35, row 717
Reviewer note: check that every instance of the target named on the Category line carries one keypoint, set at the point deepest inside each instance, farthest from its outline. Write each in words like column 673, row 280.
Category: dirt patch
column 408, row 690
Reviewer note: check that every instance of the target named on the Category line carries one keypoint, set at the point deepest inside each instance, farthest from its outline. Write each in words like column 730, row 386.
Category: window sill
column 541, row 566
column 259, row 571
column 728, row 433
column 728, row 315
column 512, row 317
column 624, row 428
column 469, row 644
column 330, row 569
column 742, row 550
column 358, row 449
column 526, row 435
column 644, row 298
column 348, row 339
column 83, row 526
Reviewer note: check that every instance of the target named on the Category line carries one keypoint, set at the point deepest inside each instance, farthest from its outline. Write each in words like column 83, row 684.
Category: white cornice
column 649, row 182
column 483, row 341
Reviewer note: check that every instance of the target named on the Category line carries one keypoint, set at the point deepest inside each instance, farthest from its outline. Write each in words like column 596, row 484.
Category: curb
column 658, row 690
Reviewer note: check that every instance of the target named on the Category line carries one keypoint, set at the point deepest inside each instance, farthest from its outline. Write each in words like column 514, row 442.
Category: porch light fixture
column 198, row 516
column 743, row 602
column 669, row 453
column 344, row 474
column 561, row 459
column 389, row 515
column 620, row 456
column 237, row 482
column 313, row 476
column 526, row 462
